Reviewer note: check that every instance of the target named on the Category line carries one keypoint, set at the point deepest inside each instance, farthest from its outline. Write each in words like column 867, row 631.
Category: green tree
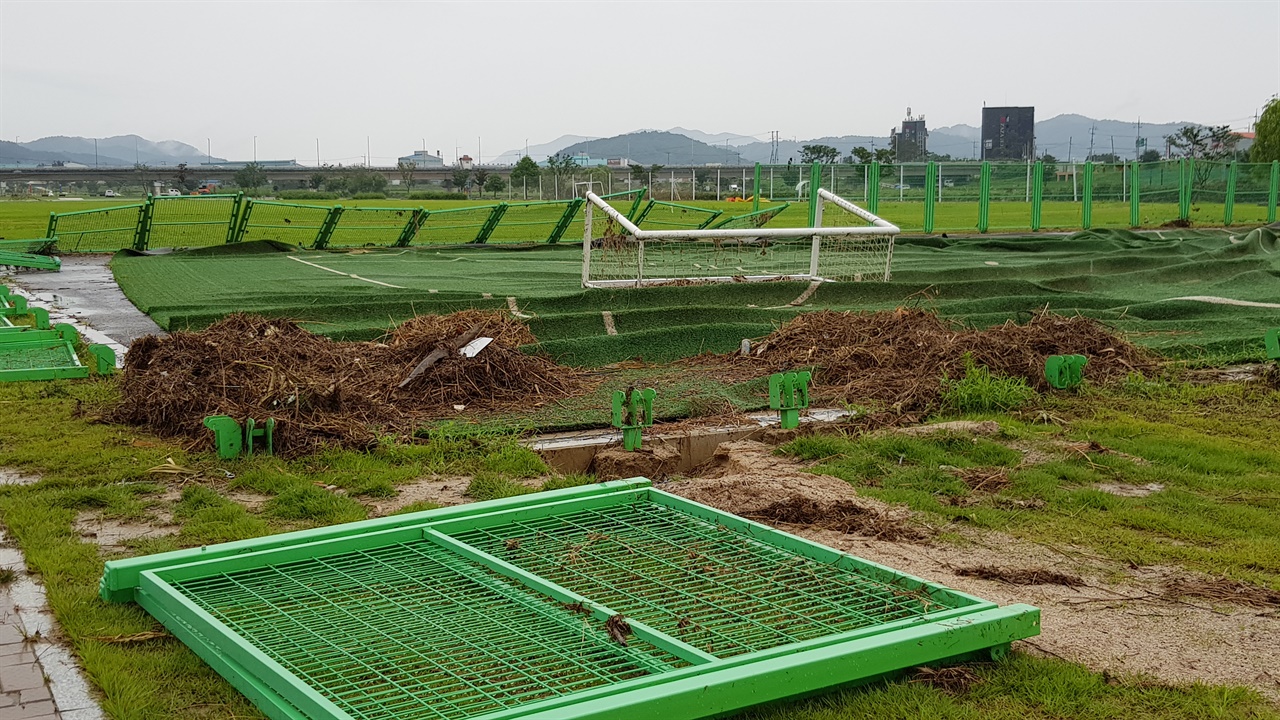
column 183, row 178
column 317, row 180
column 1266, row 143
column 861, row 156
column 1214, row 143
column 406, row 168
column 824, row 154
column 365, row 180
column 1050, row 167
column 885, row 156
column 1149, row 156
column 638, row 173
column 525, row 173
column 251, row 176
column 479, row 176
column 495, row 184
column 460, row 179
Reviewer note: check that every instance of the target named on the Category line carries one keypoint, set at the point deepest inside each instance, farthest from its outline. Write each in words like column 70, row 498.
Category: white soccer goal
column 847, row 243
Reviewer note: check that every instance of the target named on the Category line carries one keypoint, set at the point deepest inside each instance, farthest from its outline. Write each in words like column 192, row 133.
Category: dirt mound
column 899, row 358
column 653, row 461
column 323, row 392
column 745, row 478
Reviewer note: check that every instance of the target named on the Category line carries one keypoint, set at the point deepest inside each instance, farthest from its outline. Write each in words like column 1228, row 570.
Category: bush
column 369, row 196
column 307, row 195
column 436, row 195
column 981, row 392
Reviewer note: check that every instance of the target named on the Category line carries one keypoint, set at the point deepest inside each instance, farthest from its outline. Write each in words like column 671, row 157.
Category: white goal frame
column 878, row 227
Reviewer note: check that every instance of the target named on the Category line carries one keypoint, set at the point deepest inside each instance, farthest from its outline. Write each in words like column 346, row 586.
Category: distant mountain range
column 117, row 151
column 1062, row 136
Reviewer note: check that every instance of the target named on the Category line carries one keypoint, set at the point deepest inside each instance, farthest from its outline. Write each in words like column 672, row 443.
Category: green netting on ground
column 454, row 226
column 27, row 356
column 1201, row 295
column 283, row 222
column 721, row 592
column 106, row 230
column 412, row 630
column 192, row 221
column 370, row 226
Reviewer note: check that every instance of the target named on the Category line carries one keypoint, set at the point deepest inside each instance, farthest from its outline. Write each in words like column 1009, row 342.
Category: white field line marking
column 808, row 293
column 609, row 328
column 1226, row 301
column 353, row 276
column 515, row 309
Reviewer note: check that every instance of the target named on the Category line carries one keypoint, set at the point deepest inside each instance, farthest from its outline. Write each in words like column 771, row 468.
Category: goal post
column 845, row 243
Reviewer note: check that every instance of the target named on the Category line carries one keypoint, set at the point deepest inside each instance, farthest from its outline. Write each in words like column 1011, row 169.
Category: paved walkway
column 39, row 678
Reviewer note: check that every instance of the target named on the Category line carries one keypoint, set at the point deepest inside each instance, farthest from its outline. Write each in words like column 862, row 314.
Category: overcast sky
column 405, row 73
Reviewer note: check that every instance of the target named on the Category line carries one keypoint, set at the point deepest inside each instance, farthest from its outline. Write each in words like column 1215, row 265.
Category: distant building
column 1244, row 141
column 423, row 159
column 910, row 144
column 466, row 163
column 1008, row 133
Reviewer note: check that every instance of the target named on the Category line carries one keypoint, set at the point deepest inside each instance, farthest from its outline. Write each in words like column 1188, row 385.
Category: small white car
column 110, row 193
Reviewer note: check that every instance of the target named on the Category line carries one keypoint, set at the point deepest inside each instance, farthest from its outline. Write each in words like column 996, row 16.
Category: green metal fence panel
column 491, row 223
column 103, row 230
column 753, row 219
column 931, row 188
column 1135, row 212
column 514, row 609
column 873, row 187
column 412, row 227
column 1273, row 191
column 1086, row 198
column 815, row 182
column 1229, row 201
column 369, row 227
column 530, row 222
column 984, row 198
column 291, row 223
column 330, row 224
column 142, row 232
column 755, row 188
column 1037, row 195
column 185, row 221
column 663, row 215
column 233, row 228
column 1186, row 169
column 454, row 226
column 566, row 219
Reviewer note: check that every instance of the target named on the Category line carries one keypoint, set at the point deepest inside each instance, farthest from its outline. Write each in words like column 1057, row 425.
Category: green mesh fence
column 370, row 226
column 105, row 230
column 611, row 600
column 455, row 226
column 191, row 220
column 283, row 222
column 534, row 222
column 663, row 215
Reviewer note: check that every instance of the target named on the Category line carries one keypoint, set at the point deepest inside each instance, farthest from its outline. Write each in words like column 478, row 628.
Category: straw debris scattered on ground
column 845, row 516
column 899, row 358
column 324, row 392
column 1223, row 590
column 1024, row 576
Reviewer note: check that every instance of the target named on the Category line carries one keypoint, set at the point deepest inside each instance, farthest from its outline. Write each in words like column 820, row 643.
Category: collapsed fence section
column 105, row 230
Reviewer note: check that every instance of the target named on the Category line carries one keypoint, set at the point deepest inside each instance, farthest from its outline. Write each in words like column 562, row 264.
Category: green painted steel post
column 53, row 217
column 490, row 224
column 1135, row 213
column 1229, row 203
column 1274, row 191
column 327, row 227
column 566, row 218
column 815, row 181
column 873, row 187
column 242, row 225
column 930, row 194
column 755, row 190
column 142, row 231
column 1037, row 194
column 1086, row 199
column 984, row 198
column 233, row 226
column 1185, row 169
column 411, row 228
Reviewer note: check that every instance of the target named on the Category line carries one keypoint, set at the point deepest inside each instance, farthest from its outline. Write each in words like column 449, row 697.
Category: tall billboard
column 1008, row 133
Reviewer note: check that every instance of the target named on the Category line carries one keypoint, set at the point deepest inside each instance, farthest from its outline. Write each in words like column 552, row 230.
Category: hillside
column 654, row 147
column 117, row 151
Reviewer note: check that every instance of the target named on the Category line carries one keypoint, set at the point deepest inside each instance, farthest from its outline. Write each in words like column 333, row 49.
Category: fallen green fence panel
column 604, row 601
column 29, row 260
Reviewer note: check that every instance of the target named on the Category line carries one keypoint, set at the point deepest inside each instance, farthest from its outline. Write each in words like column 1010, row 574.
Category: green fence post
column 327, row 227
column 1229, row 203
column 1185, row 169
column 1086, row 199
column 873, row 187
column 1037, row 194
column 233, row 226
column 755, row 190
column 142, row 231
column 566, row 219
column 984, row 198
column 930, row 194
column 242, row 226
column 815, row 181
column 411, row 228
column 1135, row 214
column 491, row 224
column 1274, row 191
column 53, row 217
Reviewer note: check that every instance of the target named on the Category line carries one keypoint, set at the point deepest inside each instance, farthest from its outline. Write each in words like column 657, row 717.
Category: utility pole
column 1090, row 155
column 1070, row 140
column 317, row 152
column 479, row 153
column 1137, row 142
column 368, row 155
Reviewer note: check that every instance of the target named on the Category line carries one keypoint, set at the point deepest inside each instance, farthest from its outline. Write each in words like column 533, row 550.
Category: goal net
column 847, row 243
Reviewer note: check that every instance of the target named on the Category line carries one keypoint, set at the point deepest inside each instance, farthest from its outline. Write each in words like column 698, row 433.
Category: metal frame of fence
column 1008, row 197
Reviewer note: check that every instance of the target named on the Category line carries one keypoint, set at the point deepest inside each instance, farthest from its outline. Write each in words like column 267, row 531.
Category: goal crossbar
column 627, row 234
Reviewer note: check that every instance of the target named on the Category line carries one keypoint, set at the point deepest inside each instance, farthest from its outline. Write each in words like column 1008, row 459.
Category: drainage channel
column 572, row 452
